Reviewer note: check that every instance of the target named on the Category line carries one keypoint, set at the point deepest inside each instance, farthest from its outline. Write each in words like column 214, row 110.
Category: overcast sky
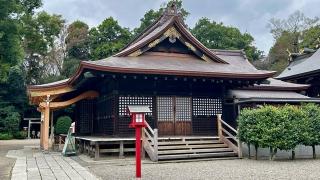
column 247, row 15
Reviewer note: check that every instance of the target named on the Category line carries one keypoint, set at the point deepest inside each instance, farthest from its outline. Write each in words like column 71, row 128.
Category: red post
column 138, row 152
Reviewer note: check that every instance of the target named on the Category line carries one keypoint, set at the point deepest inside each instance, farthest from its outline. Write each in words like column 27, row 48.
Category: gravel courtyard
column 215, row 169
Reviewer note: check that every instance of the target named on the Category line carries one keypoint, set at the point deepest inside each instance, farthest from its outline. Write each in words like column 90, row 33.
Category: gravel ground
column 215, row 169
column 6, row 163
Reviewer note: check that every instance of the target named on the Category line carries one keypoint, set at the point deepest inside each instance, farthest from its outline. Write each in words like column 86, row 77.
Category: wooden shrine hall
column 185, row 84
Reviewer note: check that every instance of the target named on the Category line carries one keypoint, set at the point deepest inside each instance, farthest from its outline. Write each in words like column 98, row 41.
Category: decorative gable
column 169, row 28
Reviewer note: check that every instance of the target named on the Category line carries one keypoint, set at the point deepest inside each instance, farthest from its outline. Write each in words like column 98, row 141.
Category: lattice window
column 183, row 109
column 206, row 106
column 124, row 101
column 165, row 108
column 85, row 115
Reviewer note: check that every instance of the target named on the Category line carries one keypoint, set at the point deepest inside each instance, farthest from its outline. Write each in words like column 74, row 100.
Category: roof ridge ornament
column 171, row 11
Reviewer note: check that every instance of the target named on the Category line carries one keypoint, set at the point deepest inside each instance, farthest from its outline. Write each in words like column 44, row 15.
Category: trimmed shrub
column 5, row 136
column 268, row 122
column 311, row 131
column 20, row 135
column 248, row 128
column 272, row 127
column 292, row 126
column 63, row 125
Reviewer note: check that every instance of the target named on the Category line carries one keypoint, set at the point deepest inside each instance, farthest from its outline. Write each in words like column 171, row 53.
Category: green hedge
column 5, row 136
column 20, row 135
column 280, row 127
column 62, row 125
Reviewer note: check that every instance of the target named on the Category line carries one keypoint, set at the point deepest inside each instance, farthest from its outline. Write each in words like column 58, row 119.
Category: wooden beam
column 37, row 93
column 85, row 95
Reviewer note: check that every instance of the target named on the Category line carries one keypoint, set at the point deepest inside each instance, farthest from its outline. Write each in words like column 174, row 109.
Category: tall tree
column 296, row 24
column 218, row 36
column 278, row 56
column 77, row 46
column 152, row 15
column 40, row 36
column 11, row 15
column 108, row 38
column 311, row 37
column 291, row 34
column 77, row 40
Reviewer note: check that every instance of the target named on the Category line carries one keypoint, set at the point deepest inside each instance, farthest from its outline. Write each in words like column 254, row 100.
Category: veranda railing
column 150, row 142
column 228, row 135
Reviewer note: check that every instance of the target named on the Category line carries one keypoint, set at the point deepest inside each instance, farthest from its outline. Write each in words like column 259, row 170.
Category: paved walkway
column 32, row 164
column 6, row 163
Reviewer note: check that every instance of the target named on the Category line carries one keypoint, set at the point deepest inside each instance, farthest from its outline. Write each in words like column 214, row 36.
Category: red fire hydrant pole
column 138, row 152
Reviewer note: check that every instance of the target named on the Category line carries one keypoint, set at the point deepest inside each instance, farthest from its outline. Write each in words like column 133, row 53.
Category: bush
column 9, row 119
column 63, row 125
column 20, row 135
column 5, row 136
column 248, row 128
column 311, row 132
column 272, row 127
column 292, row 126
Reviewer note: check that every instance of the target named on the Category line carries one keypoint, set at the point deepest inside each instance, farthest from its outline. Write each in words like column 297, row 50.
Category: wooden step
column 192, row 156
column 196, row 146
column 194, row 151
column 188, row 142
column 187, row 138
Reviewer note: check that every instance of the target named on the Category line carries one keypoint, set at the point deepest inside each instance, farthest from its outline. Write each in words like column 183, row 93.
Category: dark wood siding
column 85, row 115
column 105, row 120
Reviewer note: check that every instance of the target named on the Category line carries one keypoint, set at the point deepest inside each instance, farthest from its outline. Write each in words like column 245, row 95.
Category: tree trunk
column 293, row 156
column 256, row 155
column 274, row 153
column 249, row 151
column 314, row 152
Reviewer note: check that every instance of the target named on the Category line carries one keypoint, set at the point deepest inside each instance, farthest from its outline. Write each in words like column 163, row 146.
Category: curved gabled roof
column 238, row 67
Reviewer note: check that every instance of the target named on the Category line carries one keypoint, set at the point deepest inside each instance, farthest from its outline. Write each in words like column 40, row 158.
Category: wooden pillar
column 29, row 126
column 41, row 129
column 219, row 126
column 97, row 151
column 46, row 128
column 51, row 141
column 121, row 150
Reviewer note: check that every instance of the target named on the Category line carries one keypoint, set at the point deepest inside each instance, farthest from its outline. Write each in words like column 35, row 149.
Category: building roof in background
column 301, row 65
column 275, row 84
column 269, row 96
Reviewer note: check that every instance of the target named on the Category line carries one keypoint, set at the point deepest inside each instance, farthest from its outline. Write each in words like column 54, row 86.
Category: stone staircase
column 193, row 148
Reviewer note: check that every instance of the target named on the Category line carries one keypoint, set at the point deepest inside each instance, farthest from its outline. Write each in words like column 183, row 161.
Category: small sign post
column 137, row 114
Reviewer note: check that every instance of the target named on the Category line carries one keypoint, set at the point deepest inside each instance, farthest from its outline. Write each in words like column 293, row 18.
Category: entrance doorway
column 174, row 116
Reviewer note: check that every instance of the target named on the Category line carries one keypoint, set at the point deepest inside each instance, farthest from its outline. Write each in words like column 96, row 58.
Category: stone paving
column 6, row 163
column 31, row 164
